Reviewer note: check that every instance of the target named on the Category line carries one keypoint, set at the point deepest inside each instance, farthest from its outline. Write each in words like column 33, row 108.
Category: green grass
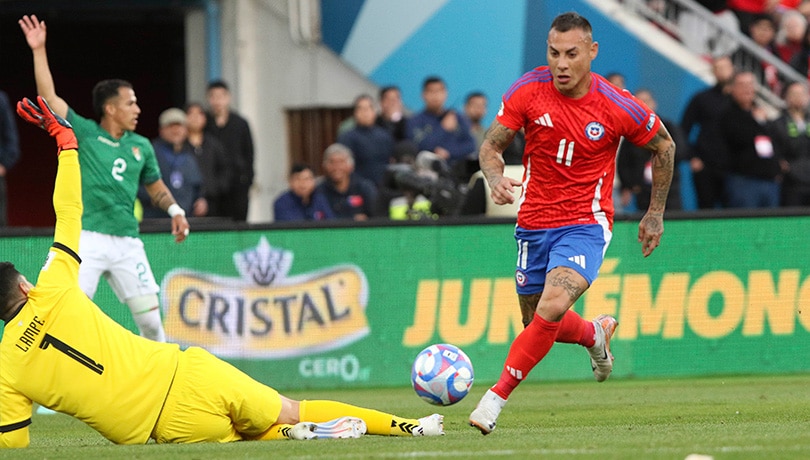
column 744, row 417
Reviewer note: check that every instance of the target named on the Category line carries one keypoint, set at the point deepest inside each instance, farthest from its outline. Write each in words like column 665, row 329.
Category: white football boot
column 601, row 358
column 486, row 413
column 432, row 425
column 340, row 428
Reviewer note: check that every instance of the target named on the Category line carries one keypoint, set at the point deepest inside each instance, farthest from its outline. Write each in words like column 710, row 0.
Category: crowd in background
column 413, row 166
column 743, row 153
column 394, row 163
column 205, row 158
column 389, row 162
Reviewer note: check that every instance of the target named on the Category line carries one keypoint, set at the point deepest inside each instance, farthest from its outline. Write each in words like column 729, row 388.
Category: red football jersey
column 571, row 145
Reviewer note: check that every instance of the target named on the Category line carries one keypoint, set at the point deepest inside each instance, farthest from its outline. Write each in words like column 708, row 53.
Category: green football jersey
column 112, row 171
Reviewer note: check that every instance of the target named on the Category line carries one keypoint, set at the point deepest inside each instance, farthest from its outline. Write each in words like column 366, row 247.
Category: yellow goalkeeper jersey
column 61, row 351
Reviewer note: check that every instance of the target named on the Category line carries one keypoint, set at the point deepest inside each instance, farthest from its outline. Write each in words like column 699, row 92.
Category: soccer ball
column 442, row 374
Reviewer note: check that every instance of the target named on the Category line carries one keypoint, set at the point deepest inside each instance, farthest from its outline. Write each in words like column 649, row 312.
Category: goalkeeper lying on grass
column 61, row 351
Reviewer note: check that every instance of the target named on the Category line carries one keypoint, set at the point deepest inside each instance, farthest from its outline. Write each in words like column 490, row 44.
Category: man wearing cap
column 178, row 166
column 115, row 161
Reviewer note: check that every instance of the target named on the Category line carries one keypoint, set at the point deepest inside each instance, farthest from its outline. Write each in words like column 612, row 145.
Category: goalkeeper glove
column 59, row 128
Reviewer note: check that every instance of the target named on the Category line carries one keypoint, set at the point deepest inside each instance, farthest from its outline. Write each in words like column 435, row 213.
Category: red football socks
column 574, row 329
column 529, row 347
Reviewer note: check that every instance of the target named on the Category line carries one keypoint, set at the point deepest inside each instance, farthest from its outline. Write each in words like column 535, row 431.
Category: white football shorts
column 121, row 260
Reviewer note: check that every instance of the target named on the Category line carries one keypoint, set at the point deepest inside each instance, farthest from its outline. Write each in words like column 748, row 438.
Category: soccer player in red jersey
column 573, row 121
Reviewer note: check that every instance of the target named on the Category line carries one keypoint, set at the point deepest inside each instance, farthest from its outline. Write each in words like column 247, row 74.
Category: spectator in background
column 748, row 10
column 475, row 109
column 754, row 169
column 350, row 196
column 302, row 201
column 233, row 132
column 793, row 129
column 762, row 32
column 178, row 166
column 801, row 59
column 392, row 115
column 372, row 145
column 215, row 166
column 439, row 129
column 635, row 168
column 790, row 36
column 699, row 124
column 9, row 152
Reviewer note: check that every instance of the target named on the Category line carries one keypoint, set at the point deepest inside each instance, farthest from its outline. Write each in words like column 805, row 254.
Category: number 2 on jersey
column 562, row 154
column 119, row 166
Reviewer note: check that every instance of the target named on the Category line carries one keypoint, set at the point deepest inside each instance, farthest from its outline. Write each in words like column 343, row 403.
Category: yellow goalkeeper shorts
column 212, row 401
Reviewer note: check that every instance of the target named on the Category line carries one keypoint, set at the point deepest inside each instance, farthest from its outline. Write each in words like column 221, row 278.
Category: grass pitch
column 745, row 417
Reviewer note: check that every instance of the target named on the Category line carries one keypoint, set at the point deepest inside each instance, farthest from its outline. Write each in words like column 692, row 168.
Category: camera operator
column 427, row 186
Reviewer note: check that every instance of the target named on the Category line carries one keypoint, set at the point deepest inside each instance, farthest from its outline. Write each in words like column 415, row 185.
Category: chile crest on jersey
column 594, row 130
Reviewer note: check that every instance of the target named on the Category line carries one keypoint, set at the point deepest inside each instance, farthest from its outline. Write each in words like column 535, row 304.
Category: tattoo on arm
column 162, row 198
column 490, row 157
column 500, row 136
column 663, row 162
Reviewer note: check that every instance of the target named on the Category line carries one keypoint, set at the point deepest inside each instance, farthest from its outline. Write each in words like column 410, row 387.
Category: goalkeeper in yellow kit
column 61, row 351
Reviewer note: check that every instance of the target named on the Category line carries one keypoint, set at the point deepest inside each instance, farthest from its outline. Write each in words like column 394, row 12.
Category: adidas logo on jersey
column 545, row 120
column 579, row 260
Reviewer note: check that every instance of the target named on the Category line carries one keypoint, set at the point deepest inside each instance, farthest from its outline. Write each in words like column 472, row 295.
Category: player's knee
column 143, row 304
column 554, row 303
column 146, row 313
column 551, row 311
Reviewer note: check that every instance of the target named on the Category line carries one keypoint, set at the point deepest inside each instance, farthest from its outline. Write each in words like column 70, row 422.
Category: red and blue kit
column 571, row 145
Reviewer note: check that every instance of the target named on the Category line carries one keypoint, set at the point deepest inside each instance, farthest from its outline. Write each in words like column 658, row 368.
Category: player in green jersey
column 115, row 162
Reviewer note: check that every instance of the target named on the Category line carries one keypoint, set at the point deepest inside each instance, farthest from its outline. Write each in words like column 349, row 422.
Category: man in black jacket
column 754, row 161
column 234, row 133
column 702, row 114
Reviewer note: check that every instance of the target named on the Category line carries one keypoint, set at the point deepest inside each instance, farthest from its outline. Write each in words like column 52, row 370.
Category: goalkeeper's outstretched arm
column 67, row 194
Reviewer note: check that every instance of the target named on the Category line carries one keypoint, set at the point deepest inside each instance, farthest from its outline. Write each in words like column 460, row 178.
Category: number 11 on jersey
column 561, row 152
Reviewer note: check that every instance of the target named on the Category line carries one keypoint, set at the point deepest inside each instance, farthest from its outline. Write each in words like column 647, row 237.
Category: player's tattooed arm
column 663, row 162
column 162, row 198
column 651, row 226
column 160, row 194
column 490, row 157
